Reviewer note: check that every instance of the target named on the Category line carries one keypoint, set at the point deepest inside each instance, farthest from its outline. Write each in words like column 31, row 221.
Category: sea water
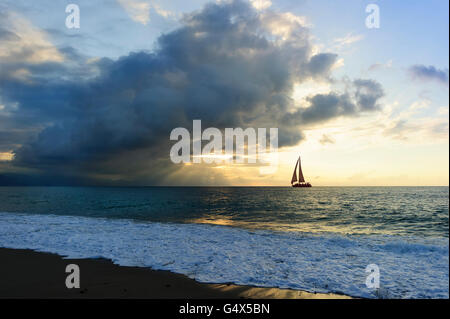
column 318, row 239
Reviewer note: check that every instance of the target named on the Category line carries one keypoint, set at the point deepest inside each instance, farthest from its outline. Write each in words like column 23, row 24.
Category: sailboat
column 300, row 181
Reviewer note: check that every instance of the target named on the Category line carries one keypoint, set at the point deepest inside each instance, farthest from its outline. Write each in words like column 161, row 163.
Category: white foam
column 409, row 268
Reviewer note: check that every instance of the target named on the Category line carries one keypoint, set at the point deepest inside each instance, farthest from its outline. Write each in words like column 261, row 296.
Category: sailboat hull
column 302, row 185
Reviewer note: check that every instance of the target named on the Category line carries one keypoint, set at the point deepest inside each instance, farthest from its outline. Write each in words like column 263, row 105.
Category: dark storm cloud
column 422, row 72
column 367, row 94
column 321, row 63
column 12, row 139
column 225, row 66
column 323, row 107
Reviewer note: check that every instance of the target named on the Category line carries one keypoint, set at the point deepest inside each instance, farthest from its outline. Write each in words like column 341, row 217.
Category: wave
column 409, row 267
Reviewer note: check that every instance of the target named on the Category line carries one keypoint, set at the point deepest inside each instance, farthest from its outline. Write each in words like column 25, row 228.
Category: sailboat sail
column 294, row 177
column 301, row 179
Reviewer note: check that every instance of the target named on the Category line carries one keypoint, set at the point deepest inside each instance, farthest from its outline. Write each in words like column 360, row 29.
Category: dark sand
column 29, row 274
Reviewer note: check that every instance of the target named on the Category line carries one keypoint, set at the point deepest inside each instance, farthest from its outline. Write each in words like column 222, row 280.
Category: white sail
column 301, row 179
column 294, row 177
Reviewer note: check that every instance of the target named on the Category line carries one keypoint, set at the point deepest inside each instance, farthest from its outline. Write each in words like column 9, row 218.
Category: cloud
column 407, row 126
column 428, row 73
column 6, row 156
column 321, row 63
column 20, row 41
column 139, row 11
column 162, row 12
column 326, row 140
column 230, row 65
column 399, row 129
column 261, row 4
column 349, row 39
column 378, row 66
column 433, row 129
column 363, row 97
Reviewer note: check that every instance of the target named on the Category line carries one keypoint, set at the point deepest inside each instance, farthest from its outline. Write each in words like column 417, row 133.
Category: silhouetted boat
column 300, row 181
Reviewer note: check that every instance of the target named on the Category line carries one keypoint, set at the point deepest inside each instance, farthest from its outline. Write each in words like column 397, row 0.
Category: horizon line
column 217, row 186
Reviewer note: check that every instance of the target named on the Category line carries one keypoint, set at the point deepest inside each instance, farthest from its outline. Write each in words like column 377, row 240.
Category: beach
column 30, row 274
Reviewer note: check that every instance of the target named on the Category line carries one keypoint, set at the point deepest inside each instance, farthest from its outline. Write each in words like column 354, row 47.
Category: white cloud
column 26, row 43
column 261, row 4
column 377, row 66
column 407, row 126
column 350, row 38
column 339, row 63
column 162, row 12
column 139, row 10
column 285, row 26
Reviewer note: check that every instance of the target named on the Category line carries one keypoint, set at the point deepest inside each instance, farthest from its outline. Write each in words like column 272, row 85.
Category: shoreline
column 29, row 274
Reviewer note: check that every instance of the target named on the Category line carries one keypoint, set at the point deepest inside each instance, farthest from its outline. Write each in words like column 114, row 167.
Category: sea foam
column 409, row 267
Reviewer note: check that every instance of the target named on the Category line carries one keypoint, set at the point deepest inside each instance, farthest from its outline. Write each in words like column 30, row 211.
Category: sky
column 95, row 105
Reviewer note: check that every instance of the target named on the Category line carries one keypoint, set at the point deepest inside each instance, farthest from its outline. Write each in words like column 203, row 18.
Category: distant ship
column 300, row 182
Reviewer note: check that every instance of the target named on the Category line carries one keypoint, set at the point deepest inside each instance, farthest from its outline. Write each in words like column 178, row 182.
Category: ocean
column 318, row 239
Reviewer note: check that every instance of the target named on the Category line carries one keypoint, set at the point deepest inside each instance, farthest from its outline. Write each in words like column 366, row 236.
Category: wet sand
column 30, row 274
